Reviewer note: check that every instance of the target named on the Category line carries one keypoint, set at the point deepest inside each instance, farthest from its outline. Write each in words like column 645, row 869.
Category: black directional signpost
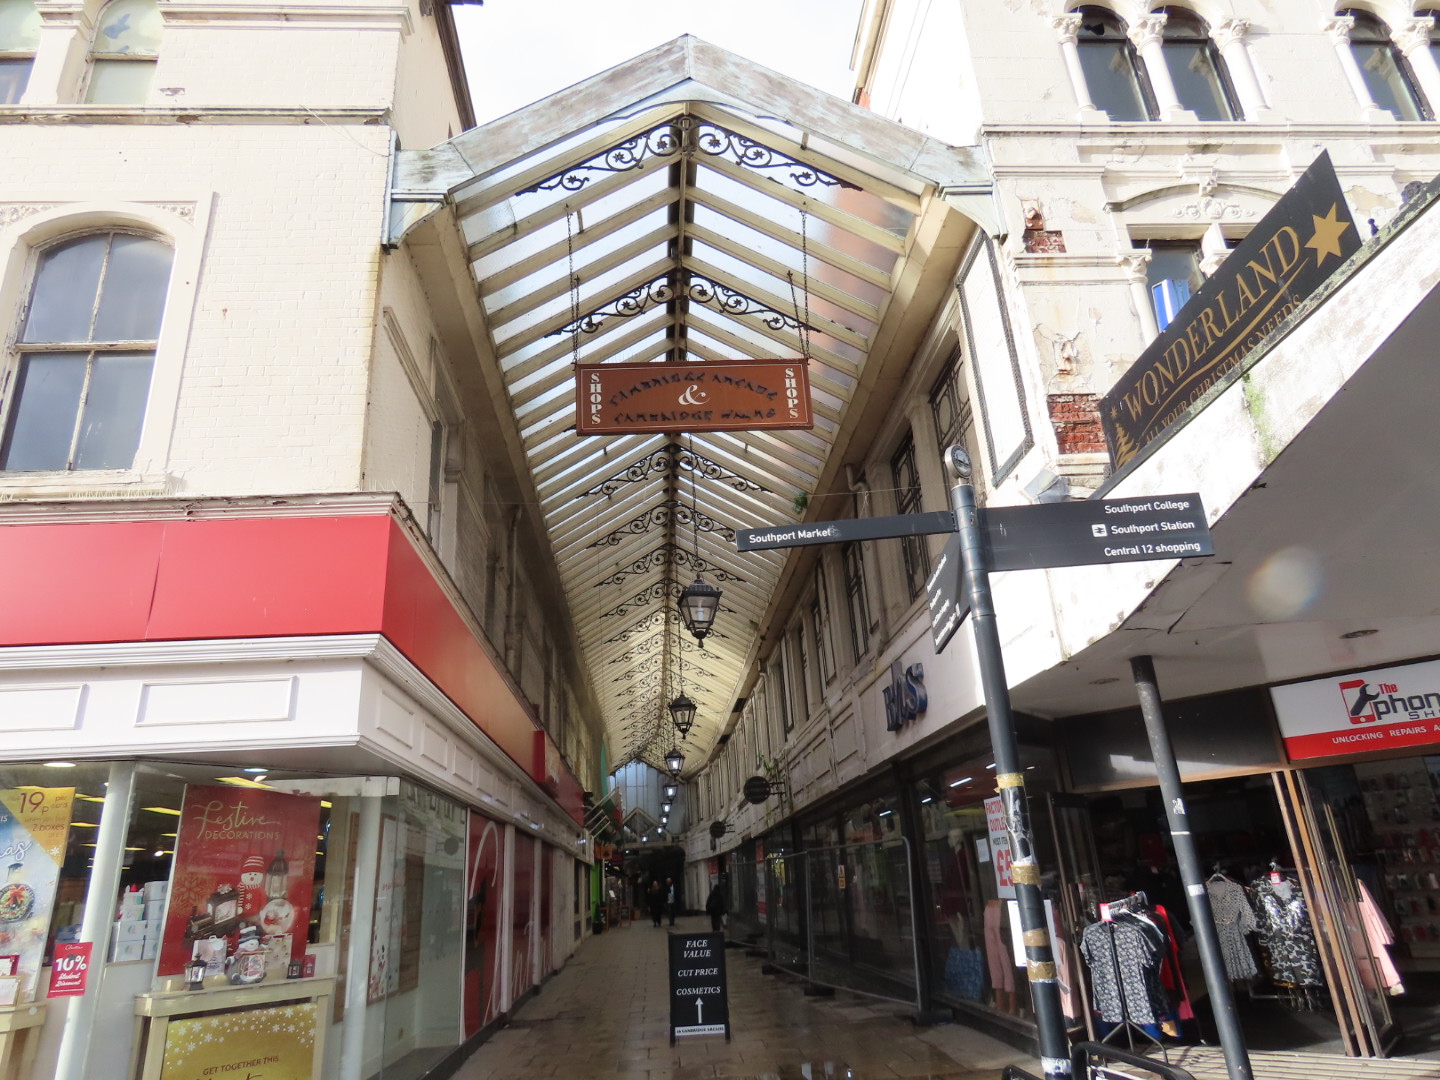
column 990, row 539
column 1019, row 538
column 948, row 605
column 698, row 1001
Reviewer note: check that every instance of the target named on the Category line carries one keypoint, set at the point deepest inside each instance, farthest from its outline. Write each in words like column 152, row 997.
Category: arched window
column 122, row 56
column 1112, row 70
column 76, row 396
column 19, row 35
column 1387, row 76
column 1433, row 13
column 1195, row 66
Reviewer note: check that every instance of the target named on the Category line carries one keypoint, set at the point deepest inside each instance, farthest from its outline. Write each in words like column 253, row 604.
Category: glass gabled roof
column 684, row 228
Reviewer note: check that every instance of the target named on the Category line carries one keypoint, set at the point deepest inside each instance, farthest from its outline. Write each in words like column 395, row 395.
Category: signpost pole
column 1010, row 777
column 1232, row 1039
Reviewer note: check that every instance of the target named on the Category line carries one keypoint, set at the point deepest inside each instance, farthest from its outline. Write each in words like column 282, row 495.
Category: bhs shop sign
column 905, row 697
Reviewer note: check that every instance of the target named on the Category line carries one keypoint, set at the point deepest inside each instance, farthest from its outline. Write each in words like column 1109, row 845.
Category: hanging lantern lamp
column 682, row 712
column 698, row 605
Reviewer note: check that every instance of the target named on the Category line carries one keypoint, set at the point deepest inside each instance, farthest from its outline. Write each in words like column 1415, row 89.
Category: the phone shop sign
column 1378, row 709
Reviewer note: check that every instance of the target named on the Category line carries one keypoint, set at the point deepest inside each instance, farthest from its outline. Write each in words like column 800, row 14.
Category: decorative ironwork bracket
column 664, row 555
column 661, row 515
column 670, row 458
column 646, row 666
column 646, row 623
column 695, row 287
column 660, row 590
column 649, row 645
column 686, row 136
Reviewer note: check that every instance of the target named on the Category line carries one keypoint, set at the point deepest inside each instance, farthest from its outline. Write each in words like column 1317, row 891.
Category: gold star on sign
column 1328, row 231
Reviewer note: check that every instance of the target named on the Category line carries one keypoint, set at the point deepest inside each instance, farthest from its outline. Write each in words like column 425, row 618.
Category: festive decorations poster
column 243, row 855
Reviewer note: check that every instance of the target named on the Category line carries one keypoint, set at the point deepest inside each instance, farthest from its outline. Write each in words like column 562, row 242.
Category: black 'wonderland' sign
column 1304, row 238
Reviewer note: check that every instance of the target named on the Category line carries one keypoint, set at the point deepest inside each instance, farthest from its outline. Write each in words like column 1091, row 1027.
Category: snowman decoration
column 252, row 888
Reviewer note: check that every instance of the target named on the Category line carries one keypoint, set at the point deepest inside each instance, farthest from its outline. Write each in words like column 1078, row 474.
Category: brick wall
column 1077, row 423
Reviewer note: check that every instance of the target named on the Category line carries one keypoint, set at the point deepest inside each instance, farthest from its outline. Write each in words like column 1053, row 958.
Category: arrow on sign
column 699, row 1011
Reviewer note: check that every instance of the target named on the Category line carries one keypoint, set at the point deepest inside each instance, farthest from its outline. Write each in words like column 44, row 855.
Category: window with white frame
column 1172, row 275
column 123, row 53
column 798, row 668
column 1113, row 73
column 906, row 478
column 950, row 406
column 1202, row 84
column 76, row 392
column 19, row 37
column 821, row 616
column 1386, row 72
column 857, row 600
column 779, row 697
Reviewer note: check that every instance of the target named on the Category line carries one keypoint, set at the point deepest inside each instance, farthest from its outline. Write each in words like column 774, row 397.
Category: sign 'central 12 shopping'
column 723, row 395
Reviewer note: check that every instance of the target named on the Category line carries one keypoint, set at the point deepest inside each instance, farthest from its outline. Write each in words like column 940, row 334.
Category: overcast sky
column 518, row 51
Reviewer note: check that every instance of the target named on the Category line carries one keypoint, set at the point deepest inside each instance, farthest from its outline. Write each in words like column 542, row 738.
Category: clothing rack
column 1306, row 998
column 1129, row 904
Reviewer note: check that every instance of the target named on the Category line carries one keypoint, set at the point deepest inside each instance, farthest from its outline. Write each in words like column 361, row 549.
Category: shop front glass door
column 1377, row 829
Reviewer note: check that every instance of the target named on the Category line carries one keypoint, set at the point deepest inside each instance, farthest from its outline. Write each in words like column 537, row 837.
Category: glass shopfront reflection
column 969, row 907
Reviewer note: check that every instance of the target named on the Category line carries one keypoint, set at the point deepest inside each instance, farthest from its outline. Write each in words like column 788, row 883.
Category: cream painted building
column 304, row 519
column 227, row 397
column 1132, row 148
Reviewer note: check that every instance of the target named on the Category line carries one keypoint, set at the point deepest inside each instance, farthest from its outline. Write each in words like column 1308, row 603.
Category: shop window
column 950, row 406
column 1113, row 74
column 821, row 617
column 1195, row 66
column 1386, row 73
column 971, row 890
column 798, row 668
column 124, row 52
column 857, row 601
column 19, row 37
column 85, row 354
column 908, row 501
column 1173, row 275
column 780, row 696
column 1434, row 14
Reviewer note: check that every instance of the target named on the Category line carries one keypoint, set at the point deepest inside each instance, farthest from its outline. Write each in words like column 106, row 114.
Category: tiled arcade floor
column 605, row 1017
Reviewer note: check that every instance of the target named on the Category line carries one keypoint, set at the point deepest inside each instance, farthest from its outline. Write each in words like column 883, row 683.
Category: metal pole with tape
column 1010, row 777
column 1232, row 1040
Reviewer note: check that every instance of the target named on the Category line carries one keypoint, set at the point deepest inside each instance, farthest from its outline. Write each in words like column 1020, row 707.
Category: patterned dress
column 1234, row 918
column 1285, row 932
column 1125, row 978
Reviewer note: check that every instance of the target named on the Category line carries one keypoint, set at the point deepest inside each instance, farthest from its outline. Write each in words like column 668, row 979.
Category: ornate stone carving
column 1135, row 265
column 10, row 213
column 1067, row 28
column 1339, row 27
column 1413, row 34
column 1210, row 263
column 1146, row 30
column 1228, row 31
column 180, row 210
column 1209, row 208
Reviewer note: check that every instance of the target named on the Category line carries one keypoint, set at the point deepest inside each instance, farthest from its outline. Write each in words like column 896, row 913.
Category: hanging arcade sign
column 722, row 395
